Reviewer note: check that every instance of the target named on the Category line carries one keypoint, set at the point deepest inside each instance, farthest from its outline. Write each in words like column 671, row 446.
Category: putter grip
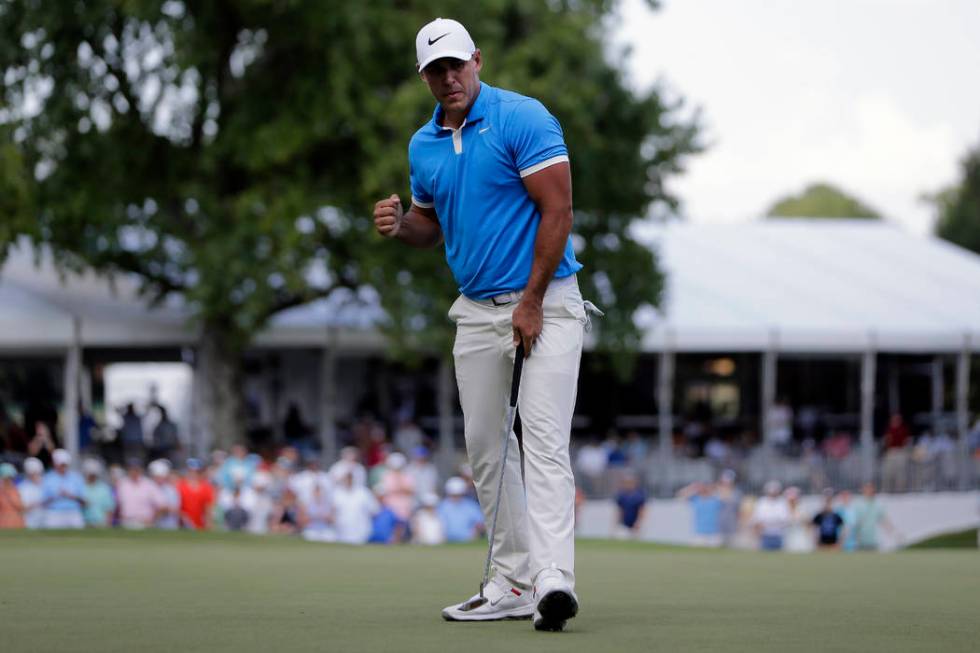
column 515, row 383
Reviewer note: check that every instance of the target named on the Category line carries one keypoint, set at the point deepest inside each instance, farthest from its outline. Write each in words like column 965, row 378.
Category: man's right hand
column 388, row 216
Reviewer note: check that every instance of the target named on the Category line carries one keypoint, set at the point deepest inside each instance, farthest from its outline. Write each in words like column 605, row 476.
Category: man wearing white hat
column 490, row 179
column 31, row 490
column 64, row 492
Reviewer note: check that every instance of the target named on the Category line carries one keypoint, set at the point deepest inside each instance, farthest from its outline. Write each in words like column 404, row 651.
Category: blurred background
column 777, row 206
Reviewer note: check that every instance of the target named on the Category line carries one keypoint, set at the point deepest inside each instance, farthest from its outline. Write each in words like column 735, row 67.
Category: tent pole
column 962, row 410
column 769, row 362
column 73, row 359
column 867, row 413
column 328, row 399
column 938, row 392
column 665, row 416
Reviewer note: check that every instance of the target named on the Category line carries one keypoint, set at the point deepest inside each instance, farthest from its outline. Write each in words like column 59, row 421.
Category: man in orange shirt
column 196, row 496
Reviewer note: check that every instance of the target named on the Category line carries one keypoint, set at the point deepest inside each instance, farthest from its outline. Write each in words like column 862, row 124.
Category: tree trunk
column 218, row 409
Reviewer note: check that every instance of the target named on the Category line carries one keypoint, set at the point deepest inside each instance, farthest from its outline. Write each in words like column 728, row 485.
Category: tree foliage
column 958, row 208
column 231, row 150
column 821, row 200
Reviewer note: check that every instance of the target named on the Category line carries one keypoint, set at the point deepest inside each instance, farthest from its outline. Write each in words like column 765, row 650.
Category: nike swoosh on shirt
column 486, row 129
column 431, row 41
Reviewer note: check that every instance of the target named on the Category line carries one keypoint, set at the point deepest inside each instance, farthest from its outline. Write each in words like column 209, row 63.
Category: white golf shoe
column 501, row 600
column 554, row 601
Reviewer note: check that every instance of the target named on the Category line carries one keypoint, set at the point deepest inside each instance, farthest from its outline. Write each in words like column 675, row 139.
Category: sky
column 879, row 97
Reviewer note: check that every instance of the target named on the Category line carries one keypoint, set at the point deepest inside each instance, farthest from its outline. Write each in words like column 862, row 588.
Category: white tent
column 813, row 285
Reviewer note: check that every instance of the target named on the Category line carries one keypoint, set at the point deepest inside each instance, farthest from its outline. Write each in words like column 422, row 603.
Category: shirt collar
column 477, row 111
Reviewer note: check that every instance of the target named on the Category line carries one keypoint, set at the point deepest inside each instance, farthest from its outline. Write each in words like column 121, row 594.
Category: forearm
column 419, row 230
column 549, row 247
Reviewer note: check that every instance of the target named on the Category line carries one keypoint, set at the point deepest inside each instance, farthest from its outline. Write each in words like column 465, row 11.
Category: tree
column 958, row 208
column 821, row 200
column 231, row 152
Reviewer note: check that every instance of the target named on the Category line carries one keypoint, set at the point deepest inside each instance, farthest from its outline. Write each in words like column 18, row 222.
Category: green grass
column 211, row 592
column 960, row 540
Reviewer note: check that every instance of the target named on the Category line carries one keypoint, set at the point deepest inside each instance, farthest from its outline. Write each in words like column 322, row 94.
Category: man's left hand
column 527, row 321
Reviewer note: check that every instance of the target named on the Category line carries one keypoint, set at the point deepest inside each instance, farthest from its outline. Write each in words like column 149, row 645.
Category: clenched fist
column 388, row 216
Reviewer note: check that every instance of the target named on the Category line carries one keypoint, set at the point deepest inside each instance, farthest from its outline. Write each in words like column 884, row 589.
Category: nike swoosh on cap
column 432, row 41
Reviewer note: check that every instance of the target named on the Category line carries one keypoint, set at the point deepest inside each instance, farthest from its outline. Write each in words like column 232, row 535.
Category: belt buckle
column 503, row 299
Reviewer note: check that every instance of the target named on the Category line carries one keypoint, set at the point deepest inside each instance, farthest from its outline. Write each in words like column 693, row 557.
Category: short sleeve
column 535, row 138
column 421, row 192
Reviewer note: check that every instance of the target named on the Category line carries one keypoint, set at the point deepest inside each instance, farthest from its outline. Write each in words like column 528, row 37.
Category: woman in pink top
column 399, row 487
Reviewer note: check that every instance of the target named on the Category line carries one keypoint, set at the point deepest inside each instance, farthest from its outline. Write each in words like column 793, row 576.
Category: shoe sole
column 517, row 616
column 555, row 608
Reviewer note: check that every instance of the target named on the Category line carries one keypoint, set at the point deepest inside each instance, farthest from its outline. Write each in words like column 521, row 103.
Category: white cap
column 91, row 467
column 159, row 468
column 60, row 457
column 429, row 500
column 395, row 461
column 443, row 37
column 455, row 486
column 33, row 466
column 261, row 480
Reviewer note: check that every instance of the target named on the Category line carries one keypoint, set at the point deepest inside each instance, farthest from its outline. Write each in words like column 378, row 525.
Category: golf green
column 152, row 591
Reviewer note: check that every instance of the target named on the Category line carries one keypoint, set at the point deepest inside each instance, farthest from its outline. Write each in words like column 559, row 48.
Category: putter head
column 474, row 603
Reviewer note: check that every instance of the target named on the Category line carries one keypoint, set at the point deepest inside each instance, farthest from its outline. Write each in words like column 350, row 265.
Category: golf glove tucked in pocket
column 590, row 310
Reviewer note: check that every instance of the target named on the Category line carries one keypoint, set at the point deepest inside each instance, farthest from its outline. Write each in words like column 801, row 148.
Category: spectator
column 319, row 517
column 780, row 425
column 140, row 500
column 828, row 524
column 423, row 473
column 386, row 527
column 636, row 450
column 426, row 525
column 258, row 500
column 131, row 434
column 770, row 518
column 42, row 445
column 706, row 510
column 13, row 439
column 408, row 436
column 288, row 517
column 353, row 508
column 99, row 500
column 798, row 538
column 845, row 508
column 868, row 515
column 591, row 462
column 294, row 428
column 350, row 461
column 241, row 460
column 894, row 466
column 460, row 514
column 304, row 483
column 63, row 493
column 164, row 441
column 31, row 490
column 399, row 488
column 631, row 502
column 730, row 498
column 11, row 507
column 168, row 515
column 196, row 496
column 234, row 514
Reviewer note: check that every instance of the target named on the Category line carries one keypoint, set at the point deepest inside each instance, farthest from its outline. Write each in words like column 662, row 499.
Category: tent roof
column 814, row 285
column 804, row 285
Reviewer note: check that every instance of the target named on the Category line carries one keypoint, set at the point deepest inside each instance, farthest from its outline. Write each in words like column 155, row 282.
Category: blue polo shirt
column 473, row 178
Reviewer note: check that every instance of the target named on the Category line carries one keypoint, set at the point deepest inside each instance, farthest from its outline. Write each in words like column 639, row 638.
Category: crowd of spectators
column 906, row 463
column 392, row 501
column 722, row 516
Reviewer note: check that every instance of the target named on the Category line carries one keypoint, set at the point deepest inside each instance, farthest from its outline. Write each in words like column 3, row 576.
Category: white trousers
column 536, row 524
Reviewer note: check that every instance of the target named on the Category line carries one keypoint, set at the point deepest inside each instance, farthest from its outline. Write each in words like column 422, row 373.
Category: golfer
column 490, row 179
